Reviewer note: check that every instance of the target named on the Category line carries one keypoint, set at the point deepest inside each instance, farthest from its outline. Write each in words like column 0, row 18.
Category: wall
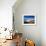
column 32, row 32
column 6, row 13
column 43, row 22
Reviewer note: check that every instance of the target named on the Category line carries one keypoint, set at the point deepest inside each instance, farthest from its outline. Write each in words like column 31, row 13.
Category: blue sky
column 29, row 17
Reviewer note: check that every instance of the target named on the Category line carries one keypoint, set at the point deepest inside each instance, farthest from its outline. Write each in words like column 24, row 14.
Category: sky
column 29, row 17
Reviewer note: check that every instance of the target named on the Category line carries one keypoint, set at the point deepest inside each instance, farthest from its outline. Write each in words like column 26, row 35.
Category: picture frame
column 28, row 19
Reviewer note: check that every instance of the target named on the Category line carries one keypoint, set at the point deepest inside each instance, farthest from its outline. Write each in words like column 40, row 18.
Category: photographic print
column 29, row 19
